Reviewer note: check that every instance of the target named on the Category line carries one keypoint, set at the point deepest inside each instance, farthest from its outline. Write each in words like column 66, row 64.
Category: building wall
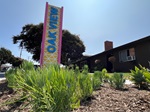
column 122, row 66
column 142, row 55
column 97, row 66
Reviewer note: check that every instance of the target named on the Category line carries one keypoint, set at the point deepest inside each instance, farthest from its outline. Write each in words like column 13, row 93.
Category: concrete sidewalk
column 128, row 82
column 1, row 79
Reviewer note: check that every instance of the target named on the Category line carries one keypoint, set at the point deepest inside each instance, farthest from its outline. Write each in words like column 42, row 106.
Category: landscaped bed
column 107, row 99
column 55, row 89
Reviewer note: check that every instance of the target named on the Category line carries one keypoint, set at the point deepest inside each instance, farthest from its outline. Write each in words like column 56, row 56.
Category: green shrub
column 147, row 77
column 97, row 80
column 85, row 70
column 85, row 82
column 77, row 70
column 10, row 77
column 86, row 85
column 105, row 75
column 117, row 81
column 51, row 88
column 141, row 77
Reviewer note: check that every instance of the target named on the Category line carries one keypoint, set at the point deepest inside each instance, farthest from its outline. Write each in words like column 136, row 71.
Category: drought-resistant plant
column 146, row 74
column 85, row 69
column 97, row 81
column 10, row 76
column 85, row 82
column 147, row 77
column 117, row 80
column 141, row 77
column 51, row 88
column 77, row 70
column 105, row 75
column 86, row 85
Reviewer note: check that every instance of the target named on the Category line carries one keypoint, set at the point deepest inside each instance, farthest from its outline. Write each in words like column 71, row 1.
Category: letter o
column 51, row 49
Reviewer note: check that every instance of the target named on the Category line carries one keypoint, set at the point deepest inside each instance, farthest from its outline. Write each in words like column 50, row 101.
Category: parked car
column 5, row 69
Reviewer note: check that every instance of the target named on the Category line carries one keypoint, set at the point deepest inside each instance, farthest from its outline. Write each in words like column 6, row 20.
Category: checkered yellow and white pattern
column 51, row 58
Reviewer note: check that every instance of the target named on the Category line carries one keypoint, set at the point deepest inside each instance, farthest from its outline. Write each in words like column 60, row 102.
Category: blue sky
column 95, row 21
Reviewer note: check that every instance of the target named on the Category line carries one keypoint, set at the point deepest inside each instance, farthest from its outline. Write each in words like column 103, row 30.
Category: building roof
column 147, row 38
column 129, row 44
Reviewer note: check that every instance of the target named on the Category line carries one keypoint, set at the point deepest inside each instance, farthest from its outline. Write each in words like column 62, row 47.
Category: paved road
column 2, row 76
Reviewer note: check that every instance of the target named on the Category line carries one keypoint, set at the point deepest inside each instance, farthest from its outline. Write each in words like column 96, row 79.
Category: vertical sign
column 52, row 36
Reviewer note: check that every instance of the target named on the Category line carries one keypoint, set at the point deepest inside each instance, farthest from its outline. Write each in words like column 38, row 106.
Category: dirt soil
column 106, row 99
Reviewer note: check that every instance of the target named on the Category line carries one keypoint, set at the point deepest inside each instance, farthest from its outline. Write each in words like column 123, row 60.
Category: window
column 127, row 55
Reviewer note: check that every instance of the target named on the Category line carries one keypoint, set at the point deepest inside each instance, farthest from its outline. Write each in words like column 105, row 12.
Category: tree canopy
column 72, row 47
column 30, row 38
column 7, row 57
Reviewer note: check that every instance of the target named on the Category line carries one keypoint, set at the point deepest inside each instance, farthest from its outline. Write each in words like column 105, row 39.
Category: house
column 120, row 59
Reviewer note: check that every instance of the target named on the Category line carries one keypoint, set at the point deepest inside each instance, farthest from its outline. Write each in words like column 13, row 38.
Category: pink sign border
column 60, row 36
column 44, row 36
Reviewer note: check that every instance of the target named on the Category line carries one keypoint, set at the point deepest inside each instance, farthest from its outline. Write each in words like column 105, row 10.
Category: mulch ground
column 106, row 99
